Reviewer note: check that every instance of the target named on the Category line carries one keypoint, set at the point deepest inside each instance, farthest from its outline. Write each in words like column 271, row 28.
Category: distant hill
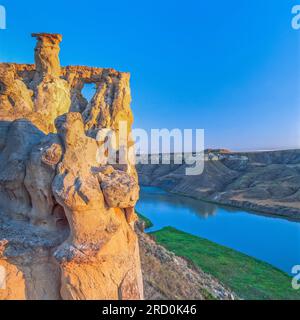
column 265, row 181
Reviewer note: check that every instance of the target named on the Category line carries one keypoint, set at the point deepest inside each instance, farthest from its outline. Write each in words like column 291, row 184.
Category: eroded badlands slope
column 265, row 181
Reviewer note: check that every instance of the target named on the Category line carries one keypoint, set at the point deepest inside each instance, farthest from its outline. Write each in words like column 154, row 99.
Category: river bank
column 167, row 276
column 269, row 238
column 247, row 277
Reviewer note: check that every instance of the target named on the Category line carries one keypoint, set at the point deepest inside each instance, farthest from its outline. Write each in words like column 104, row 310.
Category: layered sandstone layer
column 66, row 215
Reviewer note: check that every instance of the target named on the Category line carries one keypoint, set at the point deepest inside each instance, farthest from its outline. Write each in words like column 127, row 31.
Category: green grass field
column 249, row 278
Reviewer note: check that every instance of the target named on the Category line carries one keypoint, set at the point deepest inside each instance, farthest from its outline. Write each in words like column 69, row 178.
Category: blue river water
column 268, row 238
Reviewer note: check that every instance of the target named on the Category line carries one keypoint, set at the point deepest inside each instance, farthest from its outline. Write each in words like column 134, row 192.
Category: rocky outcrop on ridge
column 66, row 215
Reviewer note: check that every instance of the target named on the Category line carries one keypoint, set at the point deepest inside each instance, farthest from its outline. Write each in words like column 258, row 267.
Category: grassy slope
column 248, row 277
column 148, row 222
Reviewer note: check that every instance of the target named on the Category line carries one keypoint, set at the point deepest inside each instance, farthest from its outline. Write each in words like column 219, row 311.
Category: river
column 271, row 239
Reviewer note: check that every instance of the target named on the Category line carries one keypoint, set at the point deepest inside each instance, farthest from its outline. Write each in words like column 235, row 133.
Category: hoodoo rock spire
column 66, row 219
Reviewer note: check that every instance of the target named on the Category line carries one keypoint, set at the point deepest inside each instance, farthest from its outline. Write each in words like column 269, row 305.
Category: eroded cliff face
column 265, row 181
column 66, row 217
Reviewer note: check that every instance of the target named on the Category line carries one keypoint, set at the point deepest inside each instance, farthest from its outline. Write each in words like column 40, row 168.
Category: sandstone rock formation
column 66, row 218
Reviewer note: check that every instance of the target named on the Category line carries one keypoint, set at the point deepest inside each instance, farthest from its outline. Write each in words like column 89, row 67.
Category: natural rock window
column 88, row 91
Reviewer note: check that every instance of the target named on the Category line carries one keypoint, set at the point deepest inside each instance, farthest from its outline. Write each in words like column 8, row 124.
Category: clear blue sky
column 231, row 67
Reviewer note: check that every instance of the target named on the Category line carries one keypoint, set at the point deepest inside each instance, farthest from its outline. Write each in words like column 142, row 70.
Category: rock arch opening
column 88, row 91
